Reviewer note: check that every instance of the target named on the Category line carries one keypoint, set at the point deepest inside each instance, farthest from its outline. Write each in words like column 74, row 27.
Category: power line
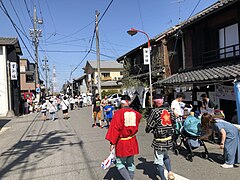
column 3, row 8
column 23, row 32
column 79, row 64
column 194, row 9
column 113, row 50
column 63, row 51
column 140, row 13
column 105, row 12
column 51, row 17
column 99, row 22
column 17, row 16
column 179, row 31
column 77, row 39
column 79, row 30
column 108, row 56
column 30, row 17
column 93, row 36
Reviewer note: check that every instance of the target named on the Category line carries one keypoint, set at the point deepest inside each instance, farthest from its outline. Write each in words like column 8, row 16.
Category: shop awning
column 206, row 75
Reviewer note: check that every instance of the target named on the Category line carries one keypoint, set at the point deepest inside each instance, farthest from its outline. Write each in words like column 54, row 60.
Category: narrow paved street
column 72, row 149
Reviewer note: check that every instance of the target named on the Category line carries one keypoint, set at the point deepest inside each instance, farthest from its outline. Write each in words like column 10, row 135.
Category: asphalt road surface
column 71, row 149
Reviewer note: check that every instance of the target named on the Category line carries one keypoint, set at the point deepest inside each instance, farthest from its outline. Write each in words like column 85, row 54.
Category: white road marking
column 177, row 177
column 4, row 129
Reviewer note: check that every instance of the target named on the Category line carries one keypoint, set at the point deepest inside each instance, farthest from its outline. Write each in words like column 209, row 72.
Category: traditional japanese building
column 9, row 76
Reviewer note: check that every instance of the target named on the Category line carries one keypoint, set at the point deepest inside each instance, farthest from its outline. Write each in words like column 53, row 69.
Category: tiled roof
column 209, row 10
column 106, row 64
column 8, row 41
column 214, row 74
column 80, row 78
column 11, row 42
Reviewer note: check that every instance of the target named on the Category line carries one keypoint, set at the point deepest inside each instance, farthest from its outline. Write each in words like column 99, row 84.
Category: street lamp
column 132, row 32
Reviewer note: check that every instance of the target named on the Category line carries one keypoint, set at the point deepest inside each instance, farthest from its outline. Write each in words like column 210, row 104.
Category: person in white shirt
column 175, row 106
column 52, row 109
column 72, row 102
column 85, row 100
column 65, row 105
column 44, row 110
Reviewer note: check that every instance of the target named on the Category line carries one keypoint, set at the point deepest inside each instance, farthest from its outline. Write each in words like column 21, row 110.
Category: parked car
column 115, row 99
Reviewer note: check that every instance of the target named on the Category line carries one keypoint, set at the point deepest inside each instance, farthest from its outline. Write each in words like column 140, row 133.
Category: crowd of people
column 161, row 123
column 122, row 124
column 49, row 106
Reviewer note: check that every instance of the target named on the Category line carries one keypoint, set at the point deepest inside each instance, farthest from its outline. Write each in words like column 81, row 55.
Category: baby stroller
column 188, row 133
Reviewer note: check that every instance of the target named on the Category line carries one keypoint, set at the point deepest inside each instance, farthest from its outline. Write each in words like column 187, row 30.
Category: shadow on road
column 17, row 157
column 3, row 122
column 148, row 168
column 113, row 174
column 215, row 157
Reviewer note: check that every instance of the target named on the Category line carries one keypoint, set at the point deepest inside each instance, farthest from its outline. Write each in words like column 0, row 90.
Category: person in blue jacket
column 109, row 110
column 230, row 138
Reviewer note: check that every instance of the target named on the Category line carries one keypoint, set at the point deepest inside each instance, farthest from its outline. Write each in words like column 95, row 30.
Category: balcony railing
column 229, row 52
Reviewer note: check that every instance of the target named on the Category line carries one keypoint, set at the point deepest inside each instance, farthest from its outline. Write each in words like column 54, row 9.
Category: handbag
column 65, row 104
column 110, row 160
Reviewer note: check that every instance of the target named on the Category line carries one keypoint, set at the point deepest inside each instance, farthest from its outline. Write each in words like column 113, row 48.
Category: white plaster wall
column 3, row 84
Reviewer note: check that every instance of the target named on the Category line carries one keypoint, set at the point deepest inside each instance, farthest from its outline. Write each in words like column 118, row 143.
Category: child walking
column 109, row 110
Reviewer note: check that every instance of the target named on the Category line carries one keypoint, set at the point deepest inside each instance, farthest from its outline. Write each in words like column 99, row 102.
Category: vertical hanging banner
column 237, row 94
column 146, row 56
column 13, row 70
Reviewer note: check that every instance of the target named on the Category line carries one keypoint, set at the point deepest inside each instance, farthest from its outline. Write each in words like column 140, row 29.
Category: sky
column 68, row 27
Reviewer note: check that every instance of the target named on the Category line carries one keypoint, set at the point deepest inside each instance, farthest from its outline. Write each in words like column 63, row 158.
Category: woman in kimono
column 230, row 140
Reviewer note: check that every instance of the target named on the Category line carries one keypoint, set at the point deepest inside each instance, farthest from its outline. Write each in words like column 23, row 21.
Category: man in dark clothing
column 160, row 124
column 207, row 103
column 135, row 104
column 96, row 108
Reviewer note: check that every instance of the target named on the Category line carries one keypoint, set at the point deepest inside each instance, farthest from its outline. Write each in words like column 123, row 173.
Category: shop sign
column 13, row 69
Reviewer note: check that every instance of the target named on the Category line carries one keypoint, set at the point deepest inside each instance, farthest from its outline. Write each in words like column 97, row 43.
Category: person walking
column 89, row 100
column 52, row 109
column 122, row 136
column 104, row 103
column 230, row 138
column 160, row 124
column 44, row 110
column 80, row 101
column 109, row 112
column 65, row 107
column 72, row 102
column 85, row 101
column 96, row 109
column 26, row 107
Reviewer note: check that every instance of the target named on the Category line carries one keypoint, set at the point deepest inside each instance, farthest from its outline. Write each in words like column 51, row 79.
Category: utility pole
column 46, row 69
column 54, row 80
column 35, row 34
column 98, row 55
column 35, row 45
